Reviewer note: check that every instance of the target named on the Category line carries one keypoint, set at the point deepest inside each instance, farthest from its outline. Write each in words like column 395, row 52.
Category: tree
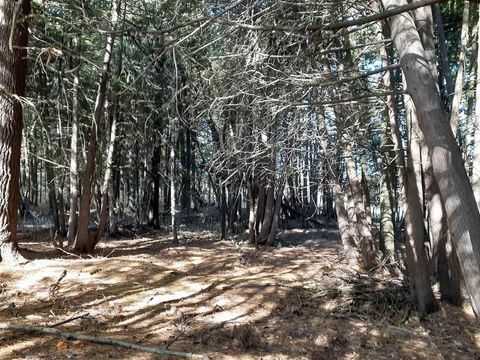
column 13, row 72
column 462, row 212
column 84, row 241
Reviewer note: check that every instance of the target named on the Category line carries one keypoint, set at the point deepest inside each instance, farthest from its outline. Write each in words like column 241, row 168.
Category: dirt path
column 226, row 301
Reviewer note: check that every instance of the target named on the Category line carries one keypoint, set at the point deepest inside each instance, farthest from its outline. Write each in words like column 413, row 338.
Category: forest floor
column 223, row 299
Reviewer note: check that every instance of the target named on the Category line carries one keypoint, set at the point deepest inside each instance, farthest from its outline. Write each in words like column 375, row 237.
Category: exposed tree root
column 99, row 340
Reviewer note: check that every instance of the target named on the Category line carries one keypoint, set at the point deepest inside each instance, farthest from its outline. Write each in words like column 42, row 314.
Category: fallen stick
column 99, row 340
column 68, row 320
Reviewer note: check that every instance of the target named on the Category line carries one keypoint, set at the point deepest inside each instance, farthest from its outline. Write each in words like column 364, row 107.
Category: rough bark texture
column 442, row 44
column 268, row 214
column 73, row 217
column 364, row 233
column 106, row 183
column 276, row 215
column 462, row 213
column 387, row 227
column 476, row 148
column 154, row 212
column 443, row 262
column 84, row 241
column 173, row 182
column 13, row 70
column 52, row 194
column 338, row 195
column 252, row 206
column 343, row 224
column 457, row 96
column 365, row 187
column 415, row 236
column 412, row 204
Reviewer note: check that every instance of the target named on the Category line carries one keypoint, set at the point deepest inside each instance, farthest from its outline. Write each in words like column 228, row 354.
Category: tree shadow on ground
column 297, row 301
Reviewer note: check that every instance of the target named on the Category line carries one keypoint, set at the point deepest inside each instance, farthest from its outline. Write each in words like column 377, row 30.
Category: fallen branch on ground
column 98, row 340
column 69, row 320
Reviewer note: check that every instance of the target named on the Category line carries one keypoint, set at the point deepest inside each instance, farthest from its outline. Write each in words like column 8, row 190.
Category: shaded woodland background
column 249, row 120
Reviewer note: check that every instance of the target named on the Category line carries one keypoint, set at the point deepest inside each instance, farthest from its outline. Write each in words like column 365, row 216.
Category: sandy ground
column 224, row 300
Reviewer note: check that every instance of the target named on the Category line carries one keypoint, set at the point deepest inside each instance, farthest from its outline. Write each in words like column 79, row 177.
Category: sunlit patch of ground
column 224, row 300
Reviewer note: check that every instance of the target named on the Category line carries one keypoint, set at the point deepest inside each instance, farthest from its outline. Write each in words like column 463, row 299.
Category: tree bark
column 276, row 214
column 153, row 214
column 445, row 64
column 443, row 262
column 344, row 227
column 260, row 211
column 73, row 217
column 387, row 227
column 52, row 194
column 364, row 233
column 476, row 147
column 106, row 182
column 13, row 73
column 252, row 206
column 173, row 181
column 268, row 213
column 412, row 204
column 457, row 96
column 365, row 187
column 342, row 218
column 223, row 212
column 415, row 237
column 84, row 242
column 462, row 213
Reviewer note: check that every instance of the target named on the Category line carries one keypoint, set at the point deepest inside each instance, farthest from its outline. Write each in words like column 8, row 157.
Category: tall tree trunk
column 476, row 147
column 414, row 156
column 342, row 217
column 261, row 197
column 173, row 181
column 412, row 204
column 113, row 195
column 443, row 263
column 331, row 169
column 61, row 210
column 415, row 230
column 52, row 194
column 276, row 214
column 34, row 176
column 457, row 96
column 445, row 64
column 73, row 217
column 153, row 214
column 462, row 213
column 13, row 73
column 84, row 242
column 387, row 227
column 252, row 206
column 106, row 183
column 223, row 212
column 268, row 213
column 364, row 232
column 365, row 187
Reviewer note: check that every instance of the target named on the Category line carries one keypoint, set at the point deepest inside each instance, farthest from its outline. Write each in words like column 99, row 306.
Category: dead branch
column 337, row 25
column 54, row 287
column 98, row 340
column 69, row 320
